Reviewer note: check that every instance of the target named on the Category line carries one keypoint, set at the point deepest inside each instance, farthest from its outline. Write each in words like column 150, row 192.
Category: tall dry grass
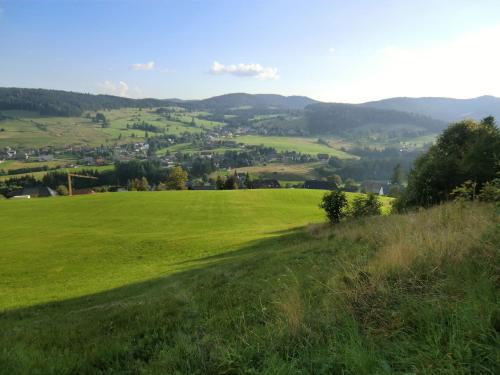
column 445, row 233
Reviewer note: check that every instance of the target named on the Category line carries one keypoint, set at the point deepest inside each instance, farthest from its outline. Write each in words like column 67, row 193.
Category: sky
column 335, row 51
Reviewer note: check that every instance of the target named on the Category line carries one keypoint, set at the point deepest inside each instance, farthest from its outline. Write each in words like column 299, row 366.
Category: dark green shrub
column 334, row 204
column 366, row 206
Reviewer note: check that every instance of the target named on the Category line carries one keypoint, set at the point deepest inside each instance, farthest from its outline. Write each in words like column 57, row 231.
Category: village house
column 266, row 184
column 323, row 156
column 320, row 185
column 34, row 192
column 375, row 187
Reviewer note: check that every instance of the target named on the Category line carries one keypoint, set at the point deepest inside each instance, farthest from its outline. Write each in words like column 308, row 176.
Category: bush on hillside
column 468, row 191
column 490, row 191
column 368, row 205
column 62, row 190
column 334, row 204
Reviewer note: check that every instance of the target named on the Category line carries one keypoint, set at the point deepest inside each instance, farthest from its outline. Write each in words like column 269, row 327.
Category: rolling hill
column 325, row 118
column 255, row 101
column 232, row 282
column 444, row 109
column 66, row 103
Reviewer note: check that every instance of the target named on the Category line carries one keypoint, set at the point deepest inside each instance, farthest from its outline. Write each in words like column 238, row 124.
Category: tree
column 219, row 183
column 248, row 181
column 99, row 117
column 465, row 151
column 397, row 175
column 177, row 179
column 350, row 185
column 231, row 183
column 336, row 179
column 334, row 204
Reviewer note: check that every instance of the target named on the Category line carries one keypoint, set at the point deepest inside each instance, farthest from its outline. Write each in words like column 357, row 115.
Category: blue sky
column 345, row 51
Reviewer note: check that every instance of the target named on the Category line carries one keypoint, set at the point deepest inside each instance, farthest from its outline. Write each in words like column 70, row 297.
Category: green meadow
column 39, row 175
column 29, row 129
column 233, row 282
column 298, row 144
column 94, row 243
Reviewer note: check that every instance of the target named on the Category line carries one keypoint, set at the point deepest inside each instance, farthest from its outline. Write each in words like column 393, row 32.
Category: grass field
column 228, row 282
column 279, row 171
column 39, row 175
column 29, row 129
column 298, row 144
column 94, row 243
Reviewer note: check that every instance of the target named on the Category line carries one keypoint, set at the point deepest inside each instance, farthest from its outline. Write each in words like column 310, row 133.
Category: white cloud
column 145, row 66
column 109, row 87
column 245, row 70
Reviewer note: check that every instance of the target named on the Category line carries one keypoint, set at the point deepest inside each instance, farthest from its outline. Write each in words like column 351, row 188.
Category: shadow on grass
column 190, row 270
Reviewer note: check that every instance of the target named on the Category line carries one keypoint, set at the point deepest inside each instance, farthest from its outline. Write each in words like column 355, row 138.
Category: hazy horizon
column 328, row 51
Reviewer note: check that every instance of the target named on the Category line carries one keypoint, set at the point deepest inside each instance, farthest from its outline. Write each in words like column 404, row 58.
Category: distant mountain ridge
column 68, row 103
column 445, row 109
column 431, row 113
column 323, row 118
column 264, row 101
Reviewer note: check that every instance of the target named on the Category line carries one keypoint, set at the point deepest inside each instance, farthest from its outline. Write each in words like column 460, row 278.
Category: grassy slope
column 279, row 171
column 93, row 243
column 40, row 175
column 29, row 129
column 398, row 294
column 298, row 144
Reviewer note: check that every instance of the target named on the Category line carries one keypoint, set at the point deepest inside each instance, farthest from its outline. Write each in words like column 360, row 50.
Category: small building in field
column 323, row 156
column 48, row 157
column 266, row 184
column 320, row 185
column 83, row 191
column 203, row 187
column 34, row 192
column 375, row 187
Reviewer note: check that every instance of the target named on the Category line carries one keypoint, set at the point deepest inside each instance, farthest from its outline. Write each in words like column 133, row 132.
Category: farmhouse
column 322, row 185
column 375, row 187
column 323, row 156
column 34, row 192
column 266, row 184
column 83, row 191
column 203, row 187
column 48, row 157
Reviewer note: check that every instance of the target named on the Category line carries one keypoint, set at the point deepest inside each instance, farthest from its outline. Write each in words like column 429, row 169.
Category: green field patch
column 297, row 144
column 86, row 244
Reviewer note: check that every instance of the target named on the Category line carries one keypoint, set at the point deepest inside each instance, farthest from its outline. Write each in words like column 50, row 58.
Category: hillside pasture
column 298, row 144
column 379, row 295
column 27, row 129
column 94, row 243
column 280, row 171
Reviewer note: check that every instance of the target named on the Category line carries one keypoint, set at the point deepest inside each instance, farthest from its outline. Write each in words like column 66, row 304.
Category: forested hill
column 255, row 101
column 445, row 109
column 324, row 118
column 66, row 103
